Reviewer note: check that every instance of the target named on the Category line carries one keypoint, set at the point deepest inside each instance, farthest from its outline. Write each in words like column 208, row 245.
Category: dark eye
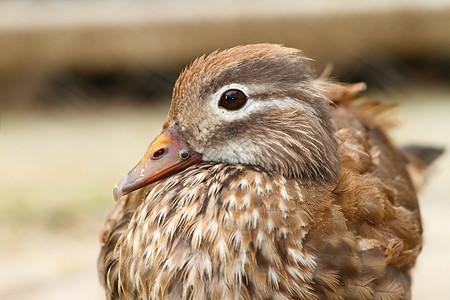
column 233, row 99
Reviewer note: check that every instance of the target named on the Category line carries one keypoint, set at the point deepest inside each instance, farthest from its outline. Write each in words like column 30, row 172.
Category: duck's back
column 379, row 204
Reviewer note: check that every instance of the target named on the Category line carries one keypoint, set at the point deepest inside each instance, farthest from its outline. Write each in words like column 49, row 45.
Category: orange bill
column 167, row 155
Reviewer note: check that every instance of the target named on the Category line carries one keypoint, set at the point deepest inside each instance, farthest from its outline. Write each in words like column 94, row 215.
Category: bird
column 266, row 182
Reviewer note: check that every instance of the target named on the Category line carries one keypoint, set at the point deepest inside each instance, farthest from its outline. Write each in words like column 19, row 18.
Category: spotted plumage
column 298, row 194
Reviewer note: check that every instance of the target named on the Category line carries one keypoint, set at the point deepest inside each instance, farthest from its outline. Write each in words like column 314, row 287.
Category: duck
column 266, row 182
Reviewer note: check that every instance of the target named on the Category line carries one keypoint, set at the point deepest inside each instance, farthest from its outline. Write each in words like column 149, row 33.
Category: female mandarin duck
column 265, row 183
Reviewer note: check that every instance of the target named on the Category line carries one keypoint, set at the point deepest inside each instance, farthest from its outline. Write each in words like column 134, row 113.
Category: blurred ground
column 59, row 166
column 58, row 169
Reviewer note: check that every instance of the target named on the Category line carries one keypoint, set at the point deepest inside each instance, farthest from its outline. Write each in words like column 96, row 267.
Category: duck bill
column 167, row 155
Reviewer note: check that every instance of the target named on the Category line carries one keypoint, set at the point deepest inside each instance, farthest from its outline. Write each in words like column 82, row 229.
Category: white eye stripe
column 249, row 108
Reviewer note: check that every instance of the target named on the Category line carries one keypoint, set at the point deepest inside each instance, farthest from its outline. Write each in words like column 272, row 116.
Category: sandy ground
column 58, row 169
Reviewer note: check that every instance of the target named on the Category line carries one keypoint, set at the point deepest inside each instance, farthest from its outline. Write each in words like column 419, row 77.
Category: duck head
column 256, row 105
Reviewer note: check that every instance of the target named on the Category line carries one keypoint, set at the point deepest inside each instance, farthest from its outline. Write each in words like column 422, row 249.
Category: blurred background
column 85, row 86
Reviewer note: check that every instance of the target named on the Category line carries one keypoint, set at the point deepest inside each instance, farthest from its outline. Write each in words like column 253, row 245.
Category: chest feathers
column 222, row 231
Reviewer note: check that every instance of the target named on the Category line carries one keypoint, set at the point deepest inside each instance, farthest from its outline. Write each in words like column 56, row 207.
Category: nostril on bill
column 159, row 153
column 184, row 155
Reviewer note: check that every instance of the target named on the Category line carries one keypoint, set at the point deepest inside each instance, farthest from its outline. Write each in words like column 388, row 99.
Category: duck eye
column 233, row 99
